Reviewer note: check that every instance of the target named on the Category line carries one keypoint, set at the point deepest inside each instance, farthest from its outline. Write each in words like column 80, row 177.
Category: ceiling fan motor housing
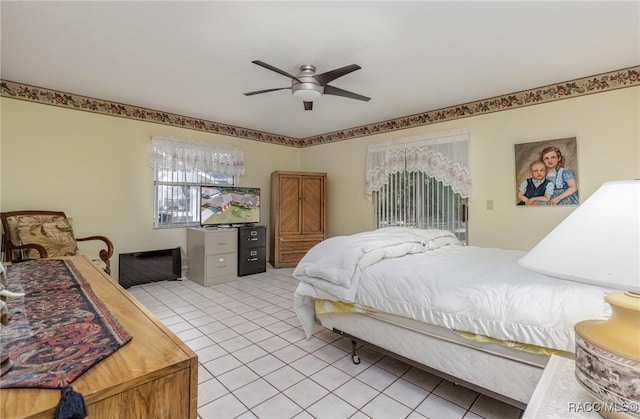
column 306, row 87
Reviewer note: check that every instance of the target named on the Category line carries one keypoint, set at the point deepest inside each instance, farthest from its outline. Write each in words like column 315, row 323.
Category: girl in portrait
column 564, row 179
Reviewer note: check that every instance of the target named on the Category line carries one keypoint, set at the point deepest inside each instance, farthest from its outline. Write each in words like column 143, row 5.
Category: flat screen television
column 229, row 205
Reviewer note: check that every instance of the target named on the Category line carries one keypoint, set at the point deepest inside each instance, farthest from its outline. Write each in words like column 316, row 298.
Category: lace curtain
column 443, row 156
column 177, row 154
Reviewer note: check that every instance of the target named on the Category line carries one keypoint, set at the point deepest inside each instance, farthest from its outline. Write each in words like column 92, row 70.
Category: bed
column 470, row 314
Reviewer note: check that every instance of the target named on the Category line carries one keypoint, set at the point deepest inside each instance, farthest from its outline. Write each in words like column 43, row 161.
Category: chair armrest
column 105, row 255
column 39, row 248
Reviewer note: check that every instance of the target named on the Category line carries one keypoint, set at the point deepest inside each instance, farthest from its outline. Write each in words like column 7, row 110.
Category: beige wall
column 607, row 127
column 92, row 167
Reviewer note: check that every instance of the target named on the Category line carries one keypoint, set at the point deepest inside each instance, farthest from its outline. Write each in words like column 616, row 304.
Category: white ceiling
column 194, row 58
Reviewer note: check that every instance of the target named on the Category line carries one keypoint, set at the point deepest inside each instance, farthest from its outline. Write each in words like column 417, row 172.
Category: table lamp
column 599, row 244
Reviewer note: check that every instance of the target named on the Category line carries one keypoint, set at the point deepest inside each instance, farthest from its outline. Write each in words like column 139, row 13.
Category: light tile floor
column 254, row 360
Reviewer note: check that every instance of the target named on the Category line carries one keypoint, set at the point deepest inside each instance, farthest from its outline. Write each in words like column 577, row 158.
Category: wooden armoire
column 298, row 215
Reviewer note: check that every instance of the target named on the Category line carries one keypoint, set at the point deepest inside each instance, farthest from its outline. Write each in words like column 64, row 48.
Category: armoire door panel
column 312, row 210
column 289, row 205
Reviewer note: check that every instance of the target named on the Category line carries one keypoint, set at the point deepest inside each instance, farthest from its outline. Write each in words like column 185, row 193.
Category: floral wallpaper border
column 613, row 80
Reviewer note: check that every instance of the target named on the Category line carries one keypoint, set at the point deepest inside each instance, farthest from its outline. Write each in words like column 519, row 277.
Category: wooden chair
column 32, row 233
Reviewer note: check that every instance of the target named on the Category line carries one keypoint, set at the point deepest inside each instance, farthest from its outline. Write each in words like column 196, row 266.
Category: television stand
column 213, row 255
column 252, row 253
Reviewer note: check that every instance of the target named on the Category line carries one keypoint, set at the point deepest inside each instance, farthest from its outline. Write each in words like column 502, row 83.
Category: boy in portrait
column 537, row 189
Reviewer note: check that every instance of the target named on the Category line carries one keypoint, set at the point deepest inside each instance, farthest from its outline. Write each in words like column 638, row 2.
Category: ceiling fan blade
column 275, row 69
column 257, row 92
column 308, row 106
column 329, row 76
column 330, row 90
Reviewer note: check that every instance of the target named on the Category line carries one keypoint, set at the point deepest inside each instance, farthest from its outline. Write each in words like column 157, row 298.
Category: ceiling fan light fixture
column 307, row 92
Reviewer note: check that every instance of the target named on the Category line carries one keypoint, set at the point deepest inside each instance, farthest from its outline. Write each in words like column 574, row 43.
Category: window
column 180, row 168
column 421, row 182
column 417, row 200
column 176, row 201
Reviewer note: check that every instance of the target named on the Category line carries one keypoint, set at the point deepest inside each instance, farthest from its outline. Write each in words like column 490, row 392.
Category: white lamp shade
column 598, row 243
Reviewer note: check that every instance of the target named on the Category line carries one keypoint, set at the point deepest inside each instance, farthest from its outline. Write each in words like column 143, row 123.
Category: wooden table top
column 153, row 352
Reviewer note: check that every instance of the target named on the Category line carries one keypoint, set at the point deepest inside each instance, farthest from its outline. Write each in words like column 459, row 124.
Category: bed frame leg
column 355, row 358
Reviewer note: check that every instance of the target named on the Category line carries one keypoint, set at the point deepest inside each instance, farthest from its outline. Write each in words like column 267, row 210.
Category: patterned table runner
column 59, row 329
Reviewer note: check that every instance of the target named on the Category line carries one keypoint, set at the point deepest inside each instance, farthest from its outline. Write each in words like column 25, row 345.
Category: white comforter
column 479, row 290
column 335, row 265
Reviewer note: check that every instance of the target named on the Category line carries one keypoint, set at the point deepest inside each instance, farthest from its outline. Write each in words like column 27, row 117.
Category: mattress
column 536, row 355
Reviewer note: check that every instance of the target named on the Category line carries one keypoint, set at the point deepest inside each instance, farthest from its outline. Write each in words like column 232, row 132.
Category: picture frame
column 547, row 173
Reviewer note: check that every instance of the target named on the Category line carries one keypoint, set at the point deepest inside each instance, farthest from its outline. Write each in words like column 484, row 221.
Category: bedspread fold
column 335, row 265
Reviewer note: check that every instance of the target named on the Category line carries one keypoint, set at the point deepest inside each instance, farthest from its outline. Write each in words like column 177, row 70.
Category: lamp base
column 608, row 357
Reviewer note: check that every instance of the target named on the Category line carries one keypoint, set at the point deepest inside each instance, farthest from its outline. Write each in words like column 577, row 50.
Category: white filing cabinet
column 212, row 253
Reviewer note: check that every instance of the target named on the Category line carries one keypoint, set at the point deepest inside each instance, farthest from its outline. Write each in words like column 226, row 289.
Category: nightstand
column 559, row 395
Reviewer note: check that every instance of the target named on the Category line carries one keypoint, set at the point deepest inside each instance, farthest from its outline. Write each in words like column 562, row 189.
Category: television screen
column 229, row 205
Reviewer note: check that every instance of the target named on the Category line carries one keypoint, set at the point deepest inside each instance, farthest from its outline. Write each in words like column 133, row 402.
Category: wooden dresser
column 155, row 375
column 298, row 215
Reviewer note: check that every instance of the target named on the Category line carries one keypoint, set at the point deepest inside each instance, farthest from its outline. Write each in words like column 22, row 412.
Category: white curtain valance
column 444, row 156
column 178, row 154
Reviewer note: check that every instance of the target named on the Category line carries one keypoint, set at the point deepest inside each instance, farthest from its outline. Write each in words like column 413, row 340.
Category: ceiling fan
column 308, row 86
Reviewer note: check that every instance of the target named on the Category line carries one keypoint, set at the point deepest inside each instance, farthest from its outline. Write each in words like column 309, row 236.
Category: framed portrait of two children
column 546, row 173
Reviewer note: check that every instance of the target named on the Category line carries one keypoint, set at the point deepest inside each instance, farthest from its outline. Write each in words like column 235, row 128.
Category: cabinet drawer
column 221, row 242
column 252, row 237
column 223, row 264
column 297, row 245
column 252, row 253
column 290, row 259
column 290, row 251
column 252, row 261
